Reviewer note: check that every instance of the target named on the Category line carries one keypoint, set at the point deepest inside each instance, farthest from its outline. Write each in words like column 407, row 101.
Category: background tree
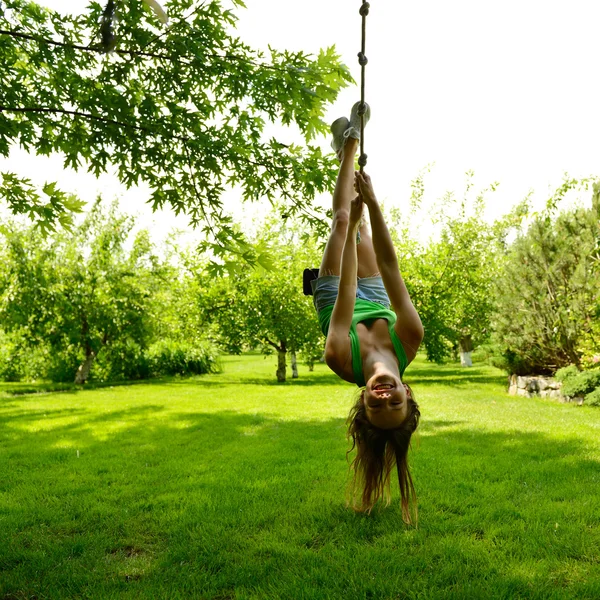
column 547, row 294
column 82, row 294
column 450, row 276
column 590, row 341
column 265, row 306
column 182, row 109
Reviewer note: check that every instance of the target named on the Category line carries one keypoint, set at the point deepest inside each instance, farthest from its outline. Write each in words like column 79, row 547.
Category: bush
column 593, row 398
column 122, row 360
column 10, row 367
column 581, row 384
column 58, row 366
column 22, row 362
column 172, row 357
column 566, row 373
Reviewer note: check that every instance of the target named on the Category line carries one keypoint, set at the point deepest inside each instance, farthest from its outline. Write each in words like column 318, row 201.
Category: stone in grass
column 543, row 384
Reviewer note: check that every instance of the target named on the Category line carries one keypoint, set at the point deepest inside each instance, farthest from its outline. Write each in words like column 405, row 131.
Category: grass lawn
column 232, row 486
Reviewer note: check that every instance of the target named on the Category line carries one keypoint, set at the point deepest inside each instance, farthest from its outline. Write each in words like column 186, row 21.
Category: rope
column 362, row 61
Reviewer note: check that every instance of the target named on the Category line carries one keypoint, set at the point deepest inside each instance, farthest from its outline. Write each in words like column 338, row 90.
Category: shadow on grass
column 214, row 505
column 10, row 390
column 419, row 373
column 35, row 389
column 314, row 380
column 458, row 381
column 429, row 374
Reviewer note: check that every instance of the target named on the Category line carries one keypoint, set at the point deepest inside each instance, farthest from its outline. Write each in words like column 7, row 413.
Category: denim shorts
column 325, row 291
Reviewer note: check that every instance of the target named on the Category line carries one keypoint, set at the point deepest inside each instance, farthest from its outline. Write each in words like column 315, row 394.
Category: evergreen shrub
column 566, row 373
column 581, row 384
column 593, row 398
column 546, row 295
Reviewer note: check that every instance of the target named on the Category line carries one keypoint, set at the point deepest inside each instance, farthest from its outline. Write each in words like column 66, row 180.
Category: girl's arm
column 408, row 325
column 337, row 347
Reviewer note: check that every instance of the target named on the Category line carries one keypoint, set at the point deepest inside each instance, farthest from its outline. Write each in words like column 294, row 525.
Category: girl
column 367, row 343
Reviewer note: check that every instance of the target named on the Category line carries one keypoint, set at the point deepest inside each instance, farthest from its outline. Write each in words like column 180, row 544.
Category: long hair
column 377, row 450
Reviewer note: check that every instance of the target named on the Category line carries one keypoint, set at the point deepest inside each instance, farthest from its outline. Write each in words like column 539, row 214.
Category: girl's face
column 386, row 401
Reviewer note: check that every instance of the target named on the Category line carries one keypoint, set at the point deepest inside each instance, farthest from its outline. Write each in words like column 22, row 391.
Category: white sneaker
column 338, row 127
column 353, row 130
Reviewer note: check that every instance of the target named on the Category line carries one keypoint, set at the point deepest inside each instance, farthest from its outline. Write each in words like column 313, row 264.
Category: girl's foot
column 353, row 130
column 338, row 127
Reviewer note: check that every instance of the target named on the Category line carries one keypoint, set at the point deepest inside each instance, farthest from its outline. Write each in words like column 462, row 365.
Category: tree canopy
column 181, row 108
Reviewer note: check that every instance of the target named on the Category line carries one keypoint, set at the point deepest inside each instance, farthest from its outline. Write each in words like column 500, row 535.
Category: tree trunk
column 281, row 368
column 83, row 372
column 294, row 365
column 466, row 347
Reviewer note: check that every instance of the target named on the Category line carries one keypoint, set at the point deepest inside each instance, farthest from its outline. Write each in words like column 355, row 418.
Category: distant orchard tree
column 82, row 293
column 450, row 277
column 266, row 307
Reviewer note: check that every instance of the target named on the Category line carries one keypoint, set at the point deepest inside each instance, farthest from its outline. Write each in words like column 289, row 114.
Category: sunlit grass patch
column 233, row 486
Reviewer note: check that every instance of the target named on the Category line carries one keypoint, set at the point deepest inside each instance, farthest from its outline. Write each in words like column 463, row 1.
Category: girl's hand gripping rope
column 364, row 187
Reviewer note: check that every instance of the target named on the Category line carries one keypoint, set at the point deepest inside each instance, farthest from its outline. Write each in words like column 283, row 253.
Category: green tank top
column 366, row 312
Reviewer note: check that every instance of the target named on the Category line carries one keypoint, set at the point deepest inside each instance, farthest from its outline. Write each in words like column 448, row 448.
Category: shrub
column 56, row 365
column 172, row 357
column 22, row 362
column 593, row 398
column 10, row 368
column 566, row 373
column 123, row 360
column 581, row 384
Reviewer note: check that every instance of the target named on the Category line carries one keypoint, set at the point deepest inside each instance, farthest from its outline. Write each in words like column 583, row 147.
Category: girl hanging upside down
column 373, row 330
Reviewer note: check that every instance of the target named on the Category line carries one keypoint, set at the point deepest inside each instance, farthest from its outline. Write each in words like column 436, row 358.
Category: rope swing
column 311, row 274
column 362, row 61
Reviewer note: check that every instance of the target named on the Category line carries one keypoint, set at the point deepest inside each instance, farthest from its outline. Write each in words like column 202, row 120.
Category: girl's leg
column 367, row 263
column 342, row 196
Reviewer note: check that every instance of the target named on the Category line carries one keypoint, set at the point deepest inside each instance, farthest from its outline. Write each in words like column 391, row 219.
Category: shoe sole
column 338, row 127
column 355, row 119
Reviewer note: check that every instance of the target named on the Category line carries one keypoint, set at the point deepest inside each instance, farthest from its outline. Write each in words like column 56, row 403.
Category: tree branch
column 198, row 196
column 76, row 113
column 268, row 341
column 96, row 49
column 177, row 59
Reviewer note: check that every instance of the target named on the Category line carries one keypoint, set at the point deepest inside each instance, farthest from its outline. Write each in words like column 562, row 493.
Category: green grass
column 232, row 486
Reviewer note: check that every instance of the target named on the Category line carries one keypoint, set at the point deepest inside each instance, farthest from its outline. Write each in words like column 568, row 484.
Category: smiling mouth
column 383, row 386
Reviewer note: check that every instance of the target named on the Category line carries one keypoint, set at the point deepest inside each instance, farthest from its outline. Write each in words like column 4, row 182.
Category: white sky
column 507, row 89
